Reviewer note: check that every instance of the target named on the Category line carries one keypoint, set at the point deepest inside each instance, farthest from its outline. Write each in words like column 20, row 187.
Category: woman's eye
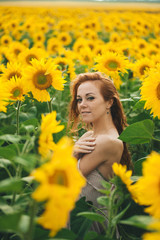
column 90, row 98
column 79, row 100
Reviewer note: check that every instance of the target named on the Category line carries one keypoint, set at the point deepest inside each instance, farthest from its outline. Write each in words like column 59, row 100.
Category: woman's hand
column 85, row 144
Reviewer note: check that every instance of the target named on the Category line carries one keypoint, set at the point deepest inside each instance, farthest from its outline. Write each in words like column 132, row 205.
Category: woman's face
column 91, row 104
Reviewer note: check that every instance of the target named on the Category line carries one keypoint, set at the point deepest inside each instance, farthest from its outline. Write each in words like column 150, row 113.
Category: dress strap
column 78, row 164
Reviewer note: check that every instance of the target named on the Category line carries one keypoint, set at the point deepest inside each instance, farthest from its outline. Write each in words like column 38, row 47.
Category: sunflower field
column 41, row 52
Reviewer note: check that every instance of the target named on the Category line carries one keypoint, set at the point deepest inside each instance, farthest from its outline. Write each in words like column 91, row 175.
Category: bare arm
column 106, row 150
column 85, row 144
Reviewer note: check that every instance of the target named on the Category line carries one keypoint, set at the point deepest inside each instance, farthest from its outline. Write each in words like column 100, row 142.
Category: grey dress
column 90, row 191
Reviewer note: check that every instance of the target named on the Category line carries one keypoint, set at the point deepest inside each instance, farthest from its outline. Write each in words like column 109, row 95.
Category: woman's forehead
column 88, row 87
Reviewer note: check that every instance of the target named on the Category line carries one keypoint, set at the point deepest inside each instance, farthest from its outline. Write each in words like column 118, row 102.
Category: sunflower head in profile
column 17, row 88
column 150, row 91
column 13, row 69
column 42, row 75
column 147, row 187
column 33, row 53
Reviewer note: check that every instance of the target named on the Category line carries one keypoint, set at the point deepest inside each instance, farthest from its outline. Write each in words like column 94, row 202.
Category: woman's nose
column 83, row 103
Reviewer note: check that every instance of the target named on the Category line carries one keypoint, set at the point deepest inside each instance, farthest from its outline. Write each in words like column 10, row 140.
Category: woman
column 96, row 103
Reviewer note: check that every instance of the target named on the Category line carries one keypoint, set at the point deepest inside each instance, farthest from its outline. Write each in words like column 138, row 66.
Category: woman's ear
column 109, row 103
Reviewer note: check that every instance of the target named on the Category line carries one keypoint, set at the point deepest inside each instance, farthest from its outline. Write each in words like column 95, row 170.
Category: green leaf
column 5, row 208
column 7, row 152
column 78, row 224
column 10, row 222
column 10, row 138
column 106, row 184
column 139, row 132
column 117, row 218
column 139, row 105
column 139, row 221
column 4, row 162
column 10, row 185
column 92, row 216
column 104, row 200
column 65, row 234
column 90, row 235
column 138, row 166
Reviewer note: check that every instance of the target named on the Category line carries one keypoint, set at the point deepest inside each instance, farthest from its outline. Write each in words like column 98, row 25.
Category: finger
column 80, row 149
column 85, row 144
column 89, row 139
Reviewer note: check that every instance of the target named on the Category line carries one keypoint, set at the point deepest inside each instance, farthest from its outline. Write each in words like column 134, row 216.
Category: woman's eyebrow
column 87, row 94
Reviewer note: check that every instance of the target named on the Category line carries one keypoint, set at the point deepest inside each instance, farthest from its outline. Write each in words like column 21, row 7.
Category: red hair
column 108, row 92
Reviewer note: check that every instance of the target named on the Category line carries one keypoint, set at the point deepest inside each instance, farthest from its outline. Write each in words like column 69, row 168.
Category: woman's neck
column 103, row 126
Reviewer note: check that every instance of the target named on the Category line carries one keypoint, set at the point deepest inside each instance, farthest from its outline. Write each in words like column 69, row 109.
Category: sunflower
column 54, row 46
column 38, row 37
column 90, row 34
column 140, row 66
column 86, row 56
column 64, row 38
column 13, row 69
column 6, row 40
column 4, row 96
column 33, row 53
column 147, row 187
column 123, row 174
column 111, row 64
column 79, row 44
column 62, row 62
column 71, row 70
column 49, row 126
column 17, row 88
column 58, row 176
column 40, row 76
column 26, row 42
column 155, row 226
column 115, row 37
column 60, row 209
column 60, row 184
column 15, row 48
column 150, row 91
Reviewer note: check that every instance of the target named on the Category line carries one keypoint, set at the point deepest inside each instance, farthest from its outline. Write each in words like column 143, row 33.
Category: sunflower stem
column 33, row 210
column 17, row 115
column 156, row 139
column 50, row 105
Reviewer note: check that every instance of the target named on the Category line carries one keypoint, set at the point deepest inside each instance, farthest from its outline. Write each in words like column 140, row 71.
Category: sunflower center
column 64, row 39
column 158, row 91
column 142, row 69
column 16, row 92
column 42, row 81
column 86, row 58
column 6, row 41
column 59, row 178
column 61, row 65
column 54, row 47
column 111, row 65
column 14, row 74
column 141, row 45
column 17, row 51
column 30, row 57
column 126, row 52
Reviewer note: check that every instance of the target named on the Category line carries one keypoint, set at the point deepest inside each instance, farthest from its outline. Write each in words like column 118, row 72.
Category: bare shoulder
column 109, row 144
column 87, row 134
